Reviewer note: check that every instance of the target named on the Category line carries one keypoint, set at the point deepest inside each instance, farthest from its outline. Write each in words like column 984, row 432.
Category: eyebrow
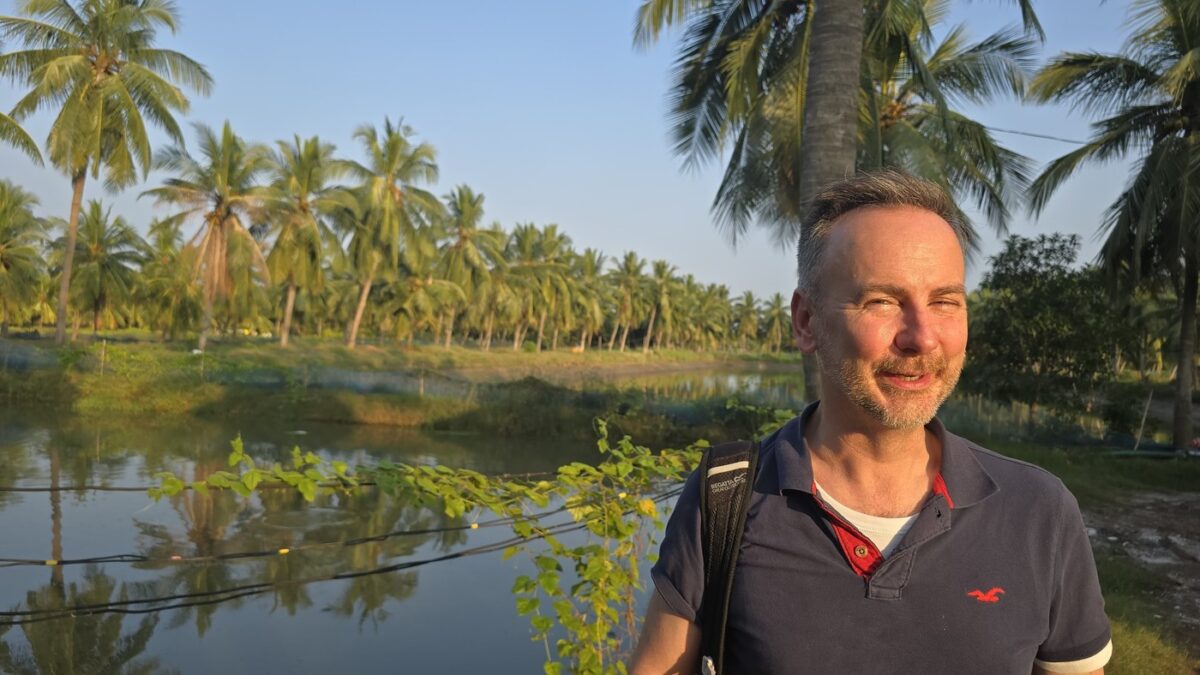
column 892, row 289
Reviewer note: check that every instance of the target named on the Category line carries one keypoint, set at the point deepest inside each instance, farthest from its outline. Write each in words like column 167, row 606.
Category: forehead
column 893, row 245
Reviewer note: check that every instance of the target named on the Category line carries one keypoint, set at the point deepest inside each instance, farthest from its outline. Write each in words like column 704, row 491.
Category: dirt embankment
column 1160, row 531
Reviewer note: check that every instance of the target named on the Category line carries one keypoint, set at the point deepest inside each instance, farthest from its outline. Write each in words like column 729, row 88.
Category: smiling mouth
column 908, row 379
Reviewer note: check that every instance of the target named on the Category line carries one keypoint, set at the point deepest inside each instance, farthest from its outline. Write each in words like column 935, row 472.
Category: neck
column 869, row 467
column 863, row 438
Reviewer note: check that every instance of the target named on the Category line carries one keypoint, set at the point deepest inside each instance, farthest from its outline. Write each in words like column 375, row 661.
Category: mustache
column 914, row 365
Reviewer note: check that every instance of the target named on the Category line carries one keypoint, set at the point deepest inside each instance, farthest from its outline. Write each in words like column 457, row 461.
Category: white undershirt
column 885, row 533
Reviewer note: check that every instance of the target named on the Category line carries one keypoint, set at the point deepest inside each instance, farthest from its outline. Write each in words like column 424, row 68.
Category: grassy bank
column 504, row 393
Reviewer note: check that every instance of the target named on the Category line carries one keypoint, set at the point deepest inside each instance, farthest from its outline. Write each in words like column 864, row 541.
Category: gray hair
column 888, row 187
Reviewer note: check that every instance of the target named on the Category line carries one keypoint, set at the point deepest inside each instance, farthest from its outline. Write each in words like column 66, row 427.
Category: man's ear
column 803, row 310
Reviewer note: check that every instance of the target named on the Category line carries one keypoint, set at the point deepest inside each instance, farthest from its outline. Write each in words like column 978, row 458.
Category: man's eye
column 879, row 302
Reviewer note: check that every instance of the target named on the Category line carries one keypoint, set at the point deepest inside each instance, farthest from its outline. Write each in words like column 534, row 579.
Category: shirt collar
column 967, row 482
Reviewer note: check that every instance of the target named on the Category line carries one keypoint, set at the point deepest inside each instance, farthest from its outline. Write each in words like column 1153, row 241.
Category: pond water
column 452, row 616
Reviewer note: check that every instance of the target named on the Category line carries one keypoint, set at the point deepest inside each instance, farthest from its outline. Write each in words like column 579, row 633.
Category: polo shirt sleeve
column 1079, row 631
column 678, row 574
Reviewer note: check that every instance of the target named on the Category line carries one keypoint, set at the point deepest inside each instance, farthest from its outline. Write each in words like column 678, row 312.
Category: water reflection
column 84, row 644
column 774, row 388
column 83, row 523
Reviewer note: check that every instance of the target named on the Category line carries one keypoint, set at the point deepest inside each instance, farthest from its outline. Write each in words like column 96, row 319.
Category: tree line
column 283, row 249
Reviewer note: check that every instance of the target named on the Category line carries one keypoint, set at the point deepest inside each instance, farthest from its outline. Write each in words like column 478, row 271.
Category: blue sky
column 546, row 108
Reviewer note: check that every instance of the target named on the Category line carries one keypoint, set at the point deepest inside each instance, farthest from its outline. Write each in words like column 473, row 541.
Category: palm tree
column 499, row 295
column 167, row 285
column 662, row 279
column 768, row 80
column 96, row 66
column 108, row 252
column 537, row 267
column 776, row 315
column 745, row 315
column 630, row 286
column 22, row 269
column 589, row 298
column 12, row 133
column 469, row 253
column 554, row 250
column 1148, row 96
column 907, row 122
column 223, row 192
column 420, row 297
column 301, row 199
column 391, row 207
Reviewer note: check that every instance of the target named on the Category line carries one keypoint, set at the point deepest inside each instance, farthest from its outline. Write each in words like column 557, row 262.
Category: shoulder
column 1022, row 482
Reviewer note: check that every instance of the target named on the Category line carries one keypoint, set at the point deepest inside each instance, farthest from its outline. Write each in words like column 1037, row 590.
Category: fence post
column 1142, row 426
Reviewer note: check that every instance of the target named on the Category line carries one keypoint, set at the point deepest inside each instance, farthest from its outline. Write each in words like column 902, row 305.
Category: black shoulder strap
column 728, row 472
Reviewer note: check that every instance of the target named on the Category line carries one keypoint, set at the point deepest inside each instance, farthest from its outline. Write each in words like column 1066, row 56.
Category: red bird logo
column 993, row 595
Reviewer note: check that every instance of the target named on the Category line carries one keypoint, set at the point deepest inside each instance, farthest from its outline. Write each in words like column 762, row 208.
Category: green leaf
column 541, row 624
column 552, row 668
column 308, row 488
column 549, row 582
column 523, row 584
column 509, row 552
column 527, row 605
column 251, row 479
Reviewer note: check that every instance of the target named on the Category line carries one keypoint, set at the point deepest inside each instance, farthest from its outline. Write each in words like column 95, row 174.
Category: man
column 876, row 541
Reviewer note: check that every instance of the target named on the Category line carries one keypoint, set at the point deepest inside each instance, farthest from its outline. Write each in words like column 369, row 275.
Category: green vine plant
column 581, row 596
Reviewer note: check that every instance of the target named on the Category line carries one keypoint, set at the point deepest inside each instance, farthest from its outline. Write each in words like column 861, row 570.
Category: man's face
column 889, row 325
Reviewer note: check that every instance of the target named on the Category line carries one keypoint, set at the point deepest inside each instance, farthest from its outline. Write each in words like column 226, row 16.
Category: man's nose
column 917, row 334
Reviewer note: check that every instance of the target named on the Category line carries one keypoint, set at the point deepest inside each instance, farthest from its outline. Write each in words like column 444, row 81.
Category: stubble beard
column 899, row 409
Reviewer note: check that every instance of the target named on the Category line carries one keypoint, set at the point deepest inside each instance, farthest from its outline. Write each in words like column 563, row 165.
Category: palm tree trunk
column 624, row 336
column 1181, row 428
column 352, row 334
column 649, row 330
column 541, row 329
column 290, row 304
column 449, row 327
column 583, row 340
column 206, row 321
column 554, row 340
column 487, row 331
column 517, row 336
column 830, row 128
column 56, row 548
column 612, row 339
column 64, row 284
column 95, row 317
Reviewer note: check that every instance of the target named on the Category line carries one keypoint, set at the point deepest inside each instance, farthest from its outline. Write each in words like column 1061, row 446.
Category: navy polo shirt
column 996, row 571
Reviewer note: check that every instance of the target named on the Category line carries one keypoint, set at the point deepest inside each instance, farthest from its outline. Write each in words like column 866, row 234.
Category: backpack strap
column 728, row 472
